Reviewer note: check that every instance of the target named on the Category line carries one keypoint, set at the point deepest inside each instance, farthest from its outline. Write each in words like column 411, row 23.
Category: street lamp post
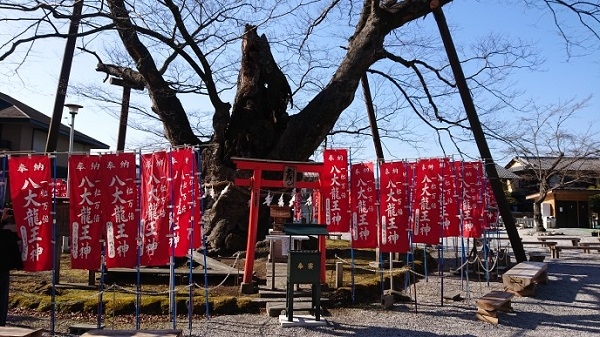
column 73, row 109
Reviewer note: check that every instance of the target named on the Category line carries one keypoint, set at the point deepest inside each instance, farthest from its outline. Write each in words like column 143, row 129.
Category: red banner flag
column 394, row 207
column 450, row 204
column 119, row 202
column 156, row 197
column 85, row 212
column 471, row 199
column 334, row 189
column 491, row 207
column 315, row 206
column 296, row 204
column 364, row 213
column 58, row 188
column 187, row 232
column 426, row 203
column 30, row 193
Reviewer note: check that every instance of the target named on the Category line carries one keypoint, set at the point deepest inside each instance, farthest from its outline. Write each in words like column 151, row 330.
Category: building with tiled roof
column 569, row 190
column 25, row 130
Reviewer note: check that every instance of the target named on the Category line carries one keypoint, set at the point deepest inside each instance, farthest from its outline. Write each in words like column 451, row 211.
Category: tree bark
column 258, row 119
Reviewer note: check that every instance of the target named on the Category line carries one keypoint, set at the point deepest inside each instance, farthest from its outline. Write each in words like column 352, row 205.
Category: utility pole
column 63, row 80
column 372, row 120
column 127, row 86
column 479, row 136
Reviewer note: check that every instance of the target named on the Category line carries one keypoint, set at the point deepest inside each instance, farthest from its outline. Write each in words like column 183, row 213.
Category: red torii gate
column 289, row 170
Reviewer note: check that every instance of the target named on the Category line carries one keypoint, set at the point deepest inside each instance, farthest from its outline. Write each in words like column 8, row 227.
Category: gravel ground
column 569, row 305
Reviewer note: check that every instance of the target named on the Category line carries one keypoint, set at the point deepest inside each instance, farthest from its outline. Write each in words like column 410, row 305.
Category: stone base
column 248, row 288
column 387, row 301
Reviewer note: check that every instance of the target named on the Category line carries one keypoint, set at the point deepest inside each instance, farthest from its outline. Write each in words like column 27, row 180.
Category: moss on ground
column 33, row 291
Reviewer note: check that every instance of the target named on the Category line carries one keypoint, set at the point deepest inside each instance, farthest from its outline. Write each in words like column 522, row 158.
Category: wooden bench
column 548, row 244
column 523, row 278
column 585, row 247
column 541, row 243
column 574, row 239
column 591, row 246
column 489, row 304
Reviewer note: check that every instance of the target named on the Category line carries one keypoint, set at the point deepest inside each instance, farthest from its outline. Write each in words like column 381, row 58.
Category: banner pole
column 464, row 275
column 54, row 251
column 411, row 233
column 441, row 245
column 140, row 238
column 102, row 271
column 381, row 267
column 352, row 222
column 191, row 233
column 200, row 198
column 172, row 297
column 485, row 235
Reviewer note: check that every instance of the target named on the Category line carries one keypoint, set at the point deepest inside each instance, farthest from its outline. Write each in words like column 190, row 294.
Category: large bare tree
column 323, row 49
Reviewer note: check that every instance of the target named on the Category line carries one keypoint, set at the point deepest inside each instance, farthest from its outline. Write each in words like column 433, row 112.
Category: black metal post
column 479, row 136
column 372, row 120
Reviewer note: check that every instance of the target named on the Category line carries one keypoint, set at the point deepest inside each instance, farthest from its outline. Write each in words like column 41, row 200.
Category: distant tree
column 555, row 150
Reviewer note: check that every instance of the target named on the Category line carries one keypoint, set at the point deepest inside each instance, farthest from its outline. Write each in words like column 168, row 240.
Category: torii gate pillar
column 247, row 285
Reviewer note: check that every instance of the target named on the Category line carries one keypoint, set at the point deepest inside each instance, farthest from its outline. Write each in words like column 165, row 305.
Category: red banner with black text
column 32, row 202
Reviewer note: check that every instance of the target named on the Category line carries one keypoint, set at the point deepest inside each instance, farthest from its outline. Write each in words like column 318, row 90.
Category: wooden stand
column 492, row 302
column 523, row 278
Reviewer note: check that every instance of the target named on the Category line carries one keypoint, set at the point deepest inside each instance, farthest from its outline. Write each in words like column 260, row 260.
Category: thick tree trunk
column 257, row 120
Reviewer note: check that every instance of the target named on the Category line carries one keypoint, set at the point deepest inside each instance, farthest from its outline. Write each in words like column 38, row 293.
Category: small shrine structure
column 289, row 171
